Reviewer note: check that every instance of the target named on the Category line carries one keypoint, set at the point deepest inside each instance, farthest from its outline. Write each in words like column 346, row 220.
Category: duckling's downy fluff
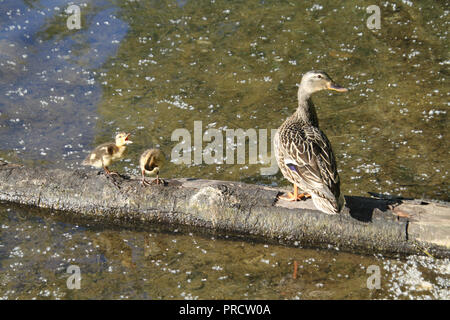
column 106, row 153
column 151, row 162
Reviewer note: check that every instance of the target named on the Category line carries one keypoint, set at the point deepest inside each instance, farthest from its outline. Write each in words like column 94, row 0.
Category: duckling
column 151, row 161
column 304, row 153
column 106, row 153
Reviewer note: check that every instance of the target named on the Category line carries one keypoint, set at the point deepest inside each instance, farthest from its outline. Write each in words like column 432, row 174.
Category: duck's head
column 122, row 139
column 314, row 81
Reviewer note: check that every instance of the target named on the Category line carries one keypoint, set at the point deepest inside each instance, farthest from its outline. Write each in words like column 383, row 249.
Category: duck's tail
column 328, row 205
column 86, row 162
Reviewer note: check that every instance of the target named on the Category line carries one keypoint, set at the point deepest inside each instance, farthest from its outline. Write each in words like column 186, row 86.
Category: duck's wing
column 309, row 156
column 105, row 149
column 151, row 164
column 148, row 160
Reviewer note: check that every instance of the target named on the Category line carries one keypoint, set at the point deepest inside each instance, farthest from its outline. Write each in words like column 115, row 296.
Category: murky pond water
column 37, row 248
column 150, row 67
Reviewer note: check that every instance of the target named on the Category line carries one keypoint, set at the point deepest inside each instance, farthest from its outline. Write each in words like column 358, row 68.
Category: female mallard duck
column 304, row 153
column 151, row 162
column 106, row 153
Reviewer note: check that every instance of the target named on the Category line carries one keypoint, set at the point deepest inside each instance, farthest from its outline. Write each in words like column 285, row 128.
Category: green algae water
column 155, row 262
column 151, row 67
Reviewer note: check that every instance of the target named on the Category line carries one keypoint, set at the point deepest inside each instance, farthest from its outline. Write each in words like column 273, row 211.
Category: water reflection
column 151, row 67
column 152, row 262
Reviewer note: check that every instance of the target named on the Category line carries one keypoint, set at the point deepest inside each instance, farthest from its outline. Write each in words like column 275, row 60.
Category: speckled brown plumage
column 304, row 153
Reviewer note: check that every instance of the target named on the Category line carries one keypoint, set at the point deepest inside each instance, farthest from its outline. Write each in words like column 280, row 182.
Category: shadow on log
column 366, row 225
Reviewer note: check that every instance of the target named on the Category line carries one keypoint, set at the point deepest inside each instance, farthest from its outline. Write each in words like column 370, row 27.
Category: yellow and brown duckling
column 151, row 162
column 106, row 153
column 304, row 153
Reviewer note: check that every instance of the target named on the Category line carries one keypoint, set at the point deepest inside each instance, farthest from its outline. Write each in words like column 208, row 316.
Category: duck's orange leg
column 158, row 180
column 109, row 172
column 143, row 181
column 294, row 275
column 295, row 196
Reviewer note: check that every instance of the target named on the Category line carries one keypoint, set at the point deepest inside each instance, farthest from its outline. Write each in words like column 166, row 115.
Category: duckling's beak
column 336, row 87
column 126, row 139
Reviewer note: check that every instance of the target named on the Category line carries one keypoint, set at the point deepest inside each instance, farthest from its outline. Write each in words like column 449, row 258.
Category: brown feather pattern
column 300, row 145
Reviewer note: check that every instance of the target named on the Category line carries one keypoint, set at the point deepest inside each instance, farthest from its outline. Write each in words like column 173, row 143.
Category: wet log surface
column 367, row 225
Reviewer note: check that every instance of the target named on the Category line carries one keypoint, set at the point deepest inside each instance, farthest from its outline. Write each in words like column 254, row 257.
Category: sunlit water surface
column 150, row 67
column 37, row 248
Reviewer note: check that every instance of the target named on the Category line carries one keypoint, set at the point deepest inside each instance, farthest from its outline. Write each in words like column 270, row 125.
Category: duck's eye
column 319, row 76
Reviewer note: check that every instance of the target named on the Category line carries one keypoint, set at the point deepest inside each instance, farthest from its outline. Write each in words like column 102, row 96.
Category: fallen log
column 367, row 225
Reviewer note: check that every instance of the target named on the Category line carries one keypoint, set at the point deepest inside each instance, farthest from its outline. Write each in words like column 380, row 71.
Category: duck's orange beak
column 126, row 138
column 336, row 87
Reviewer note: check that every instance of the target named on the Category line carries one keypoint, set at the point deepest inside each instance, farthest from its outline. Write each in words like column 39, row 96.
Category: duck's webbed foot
column 158, row 181
column 144, row 182
column 295, row 196
column 111, row 176
column 291, row 197
column 110, row 173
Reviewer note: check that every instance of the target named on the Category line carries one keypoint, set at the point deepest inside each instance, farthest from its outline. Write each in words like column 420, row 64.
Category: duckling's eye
column 319, row 76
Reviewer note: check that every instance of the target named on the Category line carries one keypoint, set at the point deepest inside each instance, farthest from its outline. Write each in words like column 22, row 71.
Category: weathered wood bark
column 367, row 225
